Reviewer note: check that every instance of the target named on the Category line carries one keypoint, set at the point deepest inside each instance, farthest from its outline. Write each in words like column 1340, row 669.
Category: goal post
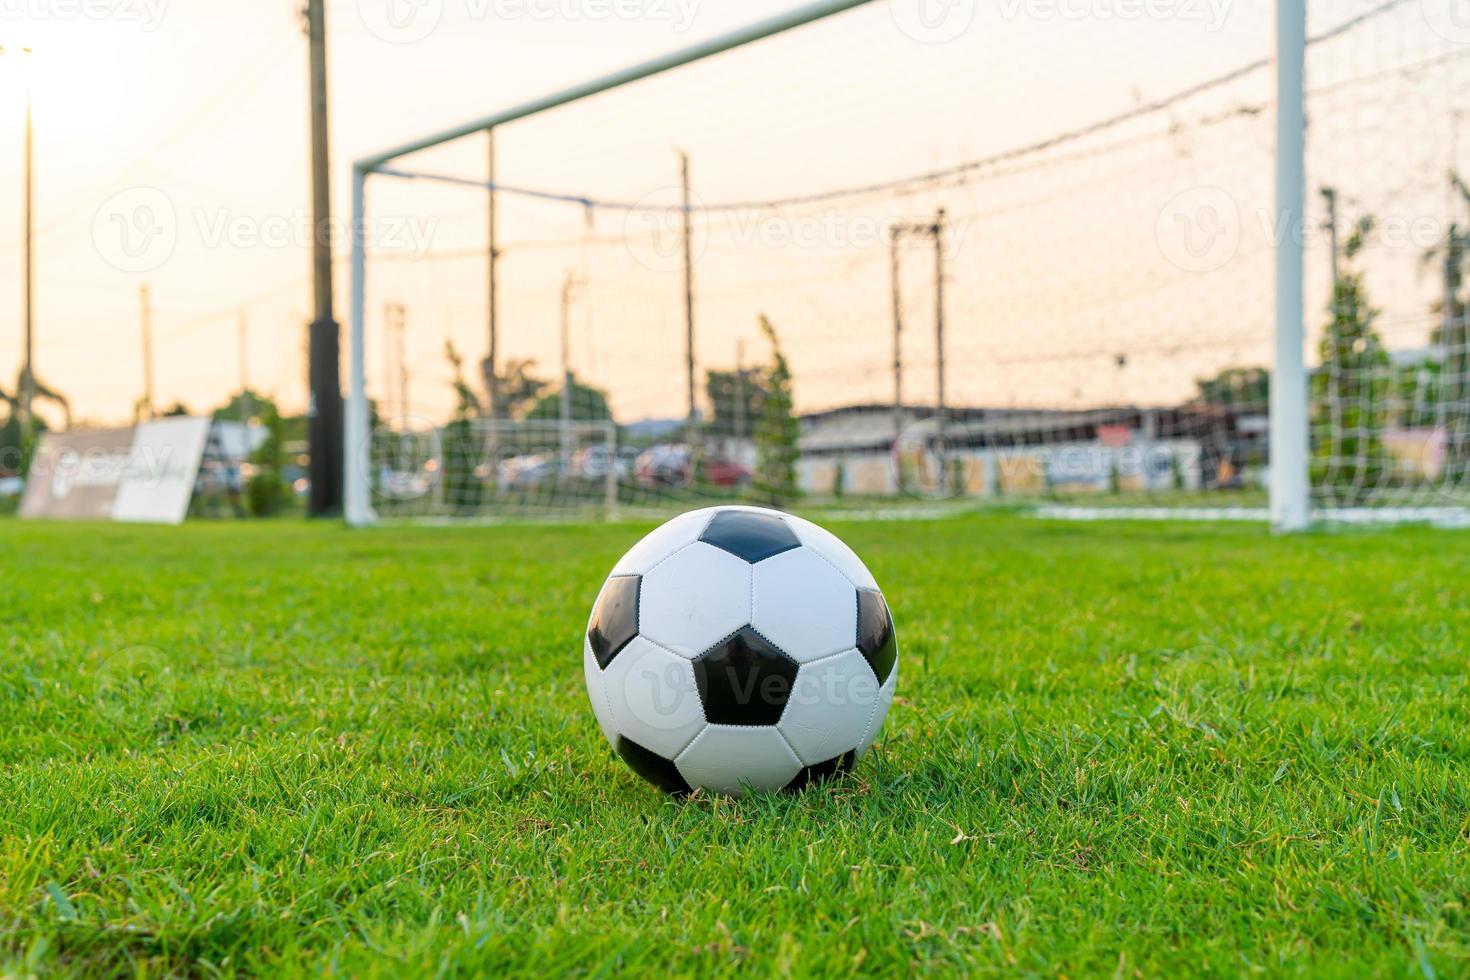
column 1033, row 256
column 1290, row 475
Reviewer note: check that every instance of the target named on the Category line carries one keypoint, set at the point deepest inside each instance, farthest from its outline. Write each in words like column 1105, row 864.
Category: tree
column 1417, row 392
column 462, row 447
column 22, row 445
column 1452, row 337
column 776, row 430
column 517, row 391
column 267, row 492
column 725, row 389
column 1235, row 387
column 1351, row 389
column 589, row 404
column 244, row 406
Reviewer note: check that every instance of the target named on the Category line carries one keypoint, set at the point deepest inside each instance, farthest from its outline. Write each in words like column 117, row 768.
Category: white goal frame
column 1290, row 485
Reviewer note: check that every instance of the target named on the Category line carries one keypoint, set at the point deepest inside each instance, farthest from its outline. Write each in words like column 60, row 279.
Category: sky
column 171, row 152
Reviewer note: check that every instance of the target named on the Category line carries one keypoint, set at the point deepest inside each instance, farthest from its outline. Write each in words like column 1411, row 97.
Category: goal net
column 915, row 254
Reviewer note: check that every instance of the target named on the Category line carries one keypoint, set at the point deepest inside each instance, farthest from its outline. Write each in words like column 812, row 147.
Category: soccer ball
column 737, row 649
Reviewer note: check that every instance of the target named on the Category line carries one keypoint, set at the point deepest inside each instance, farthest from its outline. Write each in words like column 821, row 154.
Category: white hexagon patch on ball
column 737, row 650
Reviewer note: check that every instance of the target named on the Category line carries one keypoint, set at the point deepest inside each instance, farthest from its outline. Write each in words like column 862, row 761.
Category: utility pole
column 688, row 289
column 1329, row 195
column 395, row 361
column 146, row 410
column 935, row 232
column 894, row 272
column 324, row 413
column 739, row 390
column 568, row 289
column 247, row 403
column 492, row 282
column 939, row 309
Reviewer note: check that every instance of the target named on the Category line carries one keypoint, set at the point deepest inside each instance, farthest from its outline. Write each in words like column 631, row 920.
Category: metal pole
column 147, row 321
column 358, row 455
column 1290, row 443
column 688, row 240
column 324, row 413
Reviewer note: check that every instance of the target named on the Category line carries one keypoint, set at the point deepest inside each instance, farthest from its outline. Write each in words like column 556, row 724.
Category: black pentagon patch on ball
column 822, row 771
column 744, row 680
column 651, row 766
column 875, row 639
column 754, row 537
column 615, row 620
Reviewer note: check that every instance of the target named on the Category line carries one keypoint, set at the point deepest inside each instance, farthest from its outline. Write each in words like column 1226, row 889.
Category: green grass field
column 1117, row 750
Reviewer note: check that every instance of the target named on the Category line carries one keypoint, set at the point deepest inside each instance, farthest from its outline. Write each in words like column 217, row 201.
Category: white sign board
column 144, row 474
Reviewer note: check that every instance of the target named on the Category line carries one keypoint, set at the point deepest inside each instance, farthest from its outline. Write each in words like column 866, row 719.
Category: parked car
column 726, row 473
column 526, row 472
column 664, row 466
column 592, row 463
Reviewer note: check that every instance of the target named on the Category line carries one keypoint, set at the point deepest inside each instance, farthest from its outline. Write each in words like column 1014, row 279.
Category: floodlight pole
column 146, row 409
column 1290, row 442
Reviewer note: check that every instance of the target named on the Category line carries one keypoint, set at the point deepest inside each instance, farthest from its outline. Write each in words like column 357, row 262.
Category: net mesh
column 1023, row 257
